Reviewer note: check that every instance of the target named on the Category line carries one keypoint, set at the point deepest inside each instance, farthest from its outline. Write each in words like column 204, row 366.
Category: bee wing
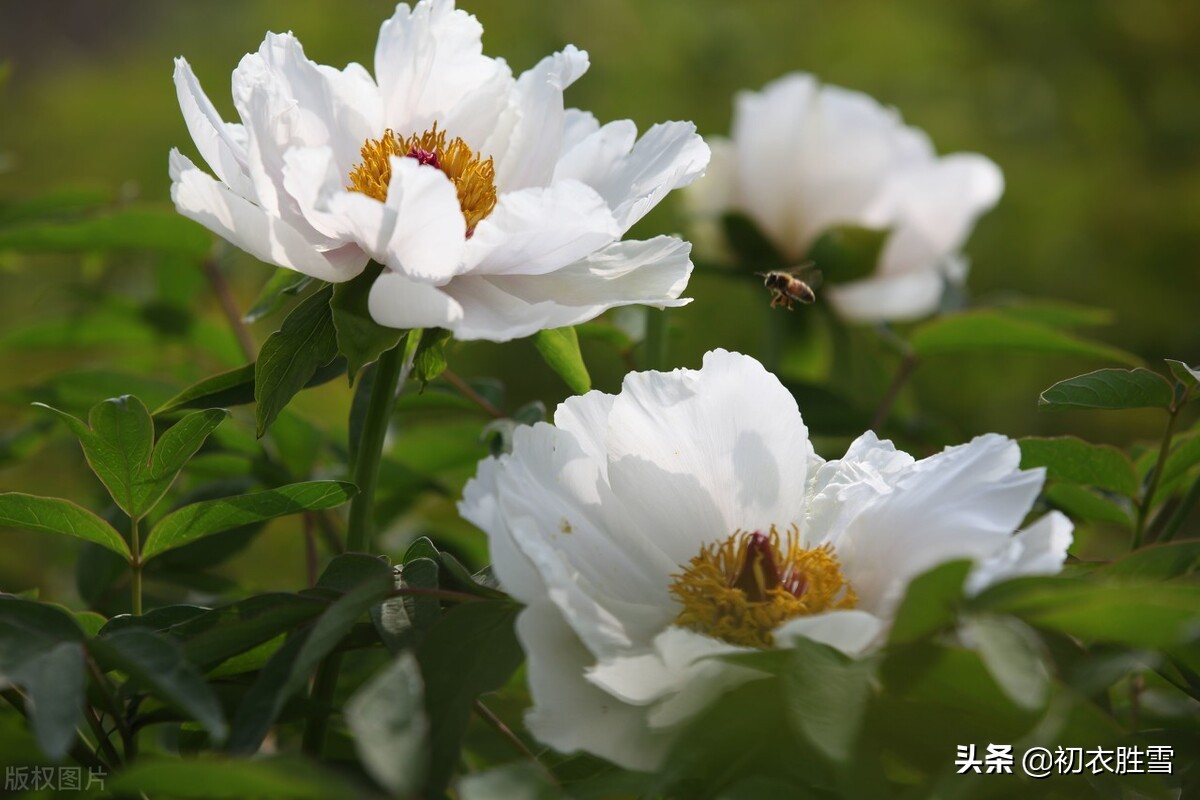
column 813, row 277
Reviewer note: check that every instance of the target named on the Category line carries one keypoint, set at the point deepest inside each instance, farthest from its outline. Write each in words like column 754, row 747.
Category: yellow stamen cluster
column 473, row 177
column 727, row 593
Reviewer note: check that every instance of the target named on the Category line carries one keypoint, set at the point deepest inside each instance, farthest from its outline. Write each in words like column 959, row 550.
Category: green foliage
column 1067, row 458
column 984, row 330
column 387, row 718
column 360, row 339
column 560, row 349
column 52, row 515
column 292, row 355
column 1110, row 389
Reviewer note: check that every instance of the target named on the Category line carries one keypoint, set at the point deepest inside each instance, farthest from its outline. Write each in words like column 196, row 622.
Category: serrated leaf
column 291, row 356
column 158, row 664
column 473, row 649
column 931, row 602
column 1013, row 656
column 236, row 388
column 53, row 515
column 390, row 729
column 1070, row 459
column 282, row 284
column 984, row 330
column 560, row 350
column 213, row 516
column 130, row 229
column 1081, row 503
column 359, row 337
column 1110, row 389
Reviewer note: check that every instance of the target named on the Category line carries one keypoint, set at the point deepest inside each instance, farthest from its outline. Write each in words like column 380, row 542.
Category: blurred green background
column 1091, row 107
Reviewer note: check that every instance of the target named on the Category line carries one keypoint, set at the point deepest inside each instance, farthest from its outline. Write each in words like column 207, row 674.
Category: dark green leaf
column 359, row 337
column 1185, row 454
column 752, row 248
column 1110, row 389
column 1013, row 656
column 472, row 650
column 984, row 330
column 847, row 253
column 430, row 360
column 1156, row 563
column 1070, row 459
column 54, row 682
column 826, row 695
column 129, row 229
column 403, row 620
column 292, row 355
column 283, row 283
column 520, row 781
column 156, row 619
column 289, row 669
column 213, row 516
column 207, row 777
column 211, row 638
column 29, row 628
column 931, row 603
column 560, row 349
column 390, row 729
column 53, row 515
column 1084, row 504
column 236, row 388
column 157, row 663
column 460, row 578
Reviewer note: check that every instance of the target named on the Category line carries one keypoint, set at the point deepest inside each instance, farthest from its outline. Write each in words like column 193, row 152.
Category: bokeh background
column 1091, row 107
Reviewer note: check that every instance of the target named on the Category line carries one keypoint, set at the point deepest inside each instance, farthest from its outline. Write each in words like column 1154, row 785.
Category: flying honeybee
column 793, row 285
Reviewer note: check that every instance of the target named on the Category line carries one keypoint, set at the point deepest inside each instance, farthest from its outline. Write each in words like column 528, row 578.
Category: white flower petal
column 696, row 455
column 852, row 631
column 428, row 60
column 399, row 302
column 430, row 231
column 539, row 230
column 1040, row 549
column 901, row 297
column 712, row 195
column 225, row 155
column 571, row 714
column 480, row 505
column 532, row 133
column 215, row 206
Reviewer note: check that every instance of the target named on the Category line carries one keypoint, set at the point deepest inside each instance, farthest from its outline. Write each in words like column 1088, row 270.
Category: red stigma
column 426, row 157
column 759, row 573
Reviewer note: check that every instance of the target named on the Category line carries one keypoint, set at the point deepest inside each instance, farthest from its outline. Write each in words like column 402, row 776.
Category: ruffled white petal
column 1040, row 549
column 215, row 206
column 539, row 230
column 852, row 631
column 879, row 298
column 396, row 301
column 215, row 140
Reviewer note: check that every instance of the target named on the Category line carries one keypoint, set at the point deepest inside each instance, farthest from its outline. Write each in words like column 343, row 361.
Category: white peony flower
column 496, row 212
column 688, row 516
column 804, row 158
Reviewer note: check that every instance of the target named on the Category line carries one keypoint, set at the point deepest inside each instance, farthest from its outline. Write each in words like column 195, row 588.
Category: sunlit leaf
column 52, row 515
column 1085, row 504
column 430, row 360
column 390, row 729
column 292, row 355
column 1068, row 458
column 213, row 516
column 1110, row 389
column 283, row 284
column 985, row 330
column 560, row 349
column 236, row 387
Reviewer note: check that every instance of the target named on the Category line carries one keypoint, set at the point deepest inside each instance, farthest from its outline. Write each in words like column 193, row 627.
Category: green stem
column 136, row 563
column 656, row 338
column 1148, row 499
column 390, row 372
column 102, row 740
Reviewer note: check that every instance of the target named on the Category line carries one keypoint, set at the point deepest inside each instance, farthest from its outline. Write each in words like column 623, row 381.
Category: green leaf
column 826, row 695
column 172, row 452
column 236, row 388
column 1188, row 377
column 54, row 682
column 158, row 664
column 214, row 516
column 1070, row 459
column 560, row 349
column 359, row 337
column 846, row 253
column 292, row 355
column 290, row 668
column 1080, row 503
column 1153, row 615
column 1110, row 389
column 68, row 202
column 430, row 360
column 519, row 781
column 985, row 330
column 216, row 635
column 209, row 777
column 402, row 621
column 750, row 245
column 1056, row 313
column 473, row 649
column 130, row 229
column 931, row 603
column 53, row 515
column 1158, row 562
column 284, row 283
column 387, row 720
column 1185, row 454
column 1013, row 656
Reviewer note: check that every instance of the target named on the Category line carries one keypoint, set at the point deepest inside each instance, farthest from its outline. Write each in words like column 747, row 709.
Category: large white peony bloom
column 496, row 212
column 689, row 516
column 805, row 157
